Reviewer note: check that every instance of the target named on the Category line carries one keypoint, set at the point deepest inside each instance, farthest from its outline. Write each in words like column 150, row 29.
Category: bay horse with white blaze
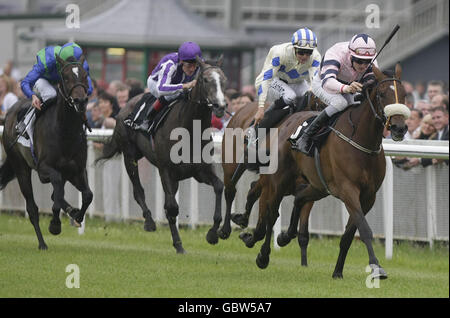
column 59, row 149
column 206, row 97
column 351, row 167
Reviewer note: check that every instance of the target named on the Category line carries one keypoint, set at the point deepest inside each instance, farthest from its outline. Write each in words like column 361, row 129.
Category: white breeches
column 45, row 89
column 289, row 92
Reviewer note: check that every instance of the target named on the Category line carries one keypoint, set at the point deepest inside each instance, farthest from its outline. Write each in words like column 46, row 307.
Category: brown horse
column 243, row 119
column 352, row 166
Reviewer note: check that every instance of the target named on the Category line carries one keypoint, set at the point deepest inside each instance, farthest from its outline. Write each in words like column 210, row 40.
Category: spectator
column 95, row 120
column 136, row 87
column 413, row 123
column 419, row 91
column 434, row 88
column 250, row 91
column 440, row 100
column 112, row 87
column 423, row 106
column 427, row 128
column 11, row 71
column 440, row 122
column 122, row 95
column 234, row 99
column 109, row 109
column 409, row 100
column 7, row 97
column 244, row 99
column 409, row 88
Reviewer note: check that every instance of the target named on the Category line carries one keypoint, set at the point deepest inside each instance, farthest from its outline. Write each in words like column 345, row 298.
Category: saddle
column 321, row 136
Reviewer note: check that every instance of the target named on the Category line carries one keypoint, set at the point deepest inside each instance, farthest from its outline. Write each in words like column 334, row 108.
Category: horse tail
column 110, row 148
column 6, row 174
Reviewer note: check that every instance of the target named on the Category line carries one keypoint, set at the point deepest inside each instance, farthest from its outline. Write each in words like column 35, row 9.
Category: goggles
column 303, row 52
column 365, row 51
column 304, row 43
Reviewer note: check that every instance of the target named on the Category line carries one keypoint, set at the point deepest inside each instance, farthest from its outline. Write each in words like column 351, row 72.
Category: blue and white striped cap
column 304, row 38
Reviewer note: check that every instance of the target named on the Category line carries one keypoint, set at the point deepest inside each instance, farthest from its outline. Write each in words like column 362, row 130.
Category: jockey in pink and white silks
column 337, row 82
column 287, row 74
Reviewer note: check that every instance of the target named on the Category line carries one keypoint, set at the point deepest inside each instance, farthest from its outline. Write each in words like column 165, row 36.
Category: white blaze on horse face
column 220, row 96
column 75, row 70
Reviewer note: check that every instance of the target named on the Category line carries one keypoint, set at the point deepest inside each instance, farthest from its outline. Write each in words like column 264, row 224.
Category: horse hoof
column 149, row 226
column 54, row 228
column 283, row 239
column 247, row 238
column 378, row 272
column 212, row 237
column 337, row 275
column 262, row 261
column 43, row 247
column 240, row 220
column 74, row 223
column 180, row 250
column 224, row 234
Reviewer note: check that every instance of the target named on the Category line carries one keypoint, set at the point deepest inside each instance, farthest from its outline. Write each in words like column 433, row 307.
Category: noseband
column 67, row 96
column 383, row 120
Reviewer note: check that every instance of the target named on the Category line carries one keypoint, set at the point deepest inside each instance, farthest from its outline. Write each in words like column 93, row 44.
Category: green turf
column 122, row 260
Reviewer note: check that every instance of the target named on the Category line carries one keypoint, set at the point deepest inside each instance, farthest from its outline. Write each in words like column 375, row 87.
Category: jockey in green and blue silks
column 44, row 74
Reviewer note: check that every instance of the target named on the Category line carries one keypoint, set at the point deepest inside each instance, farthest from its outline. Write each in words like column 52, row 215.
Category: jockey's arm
column 28, row 82
column 270, row 70
column 164, row 81
column 315, row 66
column 90, row 88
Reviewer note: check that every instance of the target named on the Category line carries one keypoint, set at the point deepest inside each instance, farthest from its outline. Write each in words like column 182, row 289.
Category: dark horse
column 352, row 166
column 206, row 97
column 232, row 173
column 60, row 149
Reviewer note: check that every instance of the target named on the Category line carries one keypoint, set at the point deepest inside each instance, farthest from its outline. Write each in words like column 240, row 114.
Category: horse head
column 212, row 83
column 74, row 83
column 390, row 95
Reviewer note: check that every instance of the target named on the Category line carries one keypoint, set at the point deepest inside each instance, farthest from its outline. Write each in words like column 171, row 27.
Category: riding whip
column 376, row 55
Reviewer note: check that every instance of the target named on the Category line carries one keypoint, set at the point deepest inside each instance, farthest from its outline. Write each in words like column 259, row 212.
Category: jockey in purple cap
column 173, row 74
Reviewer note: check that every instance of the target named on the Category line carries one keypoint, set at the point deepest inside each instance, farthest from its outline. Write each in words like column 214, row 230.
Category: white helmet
column 304, row 38
column 362, row 46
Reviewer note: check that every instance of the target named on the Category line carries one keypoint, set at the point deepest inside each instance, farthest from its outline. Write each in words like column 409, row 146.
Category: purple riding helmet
column 188, row 51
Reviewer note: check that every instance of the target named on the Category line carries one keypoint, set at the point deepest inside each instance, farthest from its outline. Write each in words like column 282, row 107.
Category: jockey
column 173, row 74
column 44, row 76
column 343, row 65
column 287, row 73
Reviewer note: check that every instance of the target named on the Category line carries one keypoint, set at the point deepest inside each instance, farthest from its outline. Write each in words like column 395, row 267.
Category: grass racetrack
column 122, row 260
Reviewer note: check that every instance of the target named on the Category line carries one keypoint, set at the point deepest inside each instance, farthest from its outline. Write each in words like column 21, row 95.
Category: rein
column 67, row 96
column 383, row 120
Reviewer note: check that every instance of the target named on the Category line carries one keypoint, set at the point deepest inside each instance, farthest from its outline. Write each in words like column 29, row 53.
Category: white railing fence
column 411, row 205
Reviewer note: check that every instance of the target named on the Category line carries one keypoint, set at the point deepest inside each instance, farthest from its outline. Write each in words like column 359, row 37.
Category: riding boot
column 145, row 103
column 22, row 126
column 160, row 104
column 304, row 143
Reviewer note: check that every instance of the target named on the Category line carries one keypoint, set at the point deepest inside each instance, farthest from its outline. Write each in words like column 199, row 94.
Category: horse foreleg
column 82, row 185
column 171, row 208
column 24, row 179
column 138, row 192
column 253, row 195
column 55, row 223
column 207, row 175
column 352, row 203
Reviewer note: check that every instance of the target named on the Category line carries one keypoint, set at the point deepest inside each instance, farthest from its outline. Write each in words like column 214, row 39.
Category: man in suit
column 440, row 122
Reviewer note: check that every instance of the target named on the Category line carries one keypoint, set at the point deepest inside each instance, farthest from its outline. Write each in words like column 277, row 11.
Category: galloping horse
column 232, row 172
column 60, row 149
column 351, row 166
column 206, row 97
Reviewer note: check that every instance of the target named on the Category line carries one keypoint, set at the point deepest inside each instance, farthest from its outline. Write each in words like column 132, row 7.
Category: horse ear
column 60, row 61
column 378, row 74
column 82, row 59
column 200, row 62
column 398, row 70
column 220, row 61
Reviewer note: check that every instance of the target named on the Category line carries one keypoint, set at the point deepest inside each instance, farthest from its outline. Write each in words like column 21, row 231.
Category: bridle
column 376, row 109
column 204, row 99
column 383, row 120
column 63, row 89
